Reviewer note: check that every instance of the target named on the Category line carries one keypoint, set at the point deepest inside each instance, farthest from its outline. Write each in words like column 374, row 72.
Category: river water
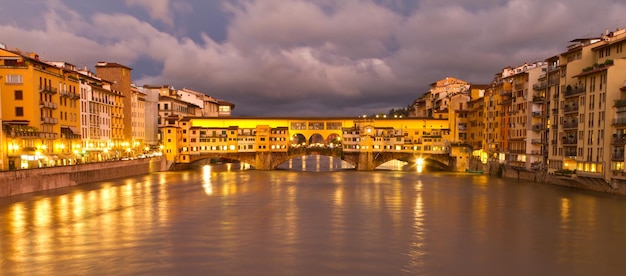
column 226, row 221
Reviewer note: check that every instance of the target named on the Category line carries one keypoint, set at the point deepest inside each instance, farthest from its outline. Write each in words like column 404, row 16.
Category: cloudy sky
column 305, row 57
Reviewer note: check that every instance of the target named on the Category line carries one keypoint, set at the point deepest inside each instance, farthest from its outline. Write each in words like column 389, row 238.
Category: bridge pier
column 366, row 162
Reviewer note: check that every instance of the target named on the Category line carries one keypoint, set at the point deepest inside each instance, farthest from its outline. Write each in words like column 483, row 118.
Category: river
column 223, row 220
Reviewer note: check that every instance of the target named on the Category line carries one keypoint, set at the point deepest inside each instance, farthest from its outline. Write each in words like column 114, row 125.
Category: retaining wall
column 34, row 180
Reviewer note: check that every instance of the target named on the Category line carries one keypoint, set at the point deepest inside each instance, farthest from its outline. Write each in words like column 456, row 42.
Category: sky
column 305, row 57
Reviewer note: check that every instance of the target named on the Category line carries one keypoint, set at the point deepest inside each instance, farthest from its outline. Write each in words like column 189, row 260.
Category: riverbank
column 34, row 180
column 539, row 176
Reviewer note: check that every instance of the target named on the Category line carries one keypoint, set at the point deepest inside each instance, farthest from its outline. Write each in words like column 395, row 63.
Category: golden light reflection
column 565, row 245
column 417, row 247
column 419, row 164
column 63, row 208
column 42, row 212
column 317, row 163
column 206, row 180
column 304, row 162
column 565, row 212
column 18, row 220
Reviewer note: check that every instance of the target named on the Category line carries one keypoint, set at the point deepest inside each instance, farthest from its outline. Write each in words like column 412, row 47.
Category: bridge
column 265, row 143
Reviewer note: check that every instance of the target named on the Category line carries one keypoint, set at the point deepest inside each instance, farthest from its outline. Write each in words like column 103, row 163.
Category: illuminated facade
column 589, row 109
column 202, row 136
column 40, row 111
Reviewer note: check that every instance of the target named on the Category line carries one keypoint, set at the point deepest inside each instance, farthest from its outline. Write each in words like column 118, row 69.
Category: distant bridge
column 265, row 143
column 360, row 161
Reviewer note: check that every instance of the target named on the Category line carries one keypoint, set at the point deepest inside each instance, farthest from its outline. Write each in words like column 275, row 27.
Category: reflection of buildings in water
column 315, row 163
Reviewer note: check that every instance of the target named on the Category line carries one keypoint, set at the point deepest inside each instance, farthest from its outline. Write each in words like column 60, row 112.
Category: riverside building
column 40, row 111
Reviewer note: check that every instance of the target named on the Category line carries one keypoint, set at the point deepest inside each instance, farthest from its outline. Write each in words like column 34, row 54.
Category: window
column 298, row 125
column 224, row 109
column 19, row 95
column 14, row 79
column 333, row 125
column 19, row 111
column 316, row 125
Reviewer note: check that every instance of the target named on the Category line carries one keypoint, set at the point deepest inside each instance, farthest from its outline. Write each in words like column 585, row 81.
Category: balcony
column 537, row 142
column 570, row 141
column 49, row 120
column 69, row 94
column 539, row 99
column 570, row 109
column 49, row 105
column 617, row 156
column 538, row 127
column 553, row 68
column 24, row 134
column 570, row 153
column 619, row 122
column 47, row 90
column 537, row 114
column 620, row 103
column 48, row 135
column 572, row 92
column 618, row 140
column 520, row 86
column 541, row 85
column 570, row 125
column 535, row 152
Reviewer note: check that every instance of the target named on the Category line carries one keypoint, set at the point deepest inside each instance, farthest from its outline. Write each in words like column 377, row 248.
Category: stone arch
column 333, row 140
column 316, row 139
column 297, row 140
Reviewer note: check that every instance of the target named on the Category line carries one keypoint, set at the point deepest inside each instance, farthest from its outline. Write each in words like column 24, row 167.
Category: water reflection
column 315, row 163
column 221, row 220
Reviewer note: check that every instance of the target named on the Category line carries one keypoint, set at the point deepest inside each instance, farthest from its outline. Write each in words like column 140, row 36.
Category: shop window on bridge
column 316, row 126
column 333, row 125
column 298, row 125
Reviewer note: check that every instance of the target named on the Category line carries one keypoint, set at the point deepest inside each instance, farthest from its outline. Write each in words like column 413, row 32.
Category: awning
column 70, row 132
column 16, row 122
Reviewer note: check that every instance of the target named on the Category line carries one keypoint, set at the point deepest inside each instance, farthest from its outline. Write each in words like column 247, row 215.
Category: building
column 120, row 78
column 151, row 116
column 99, row 118
column 589, row 109
column 40, row 111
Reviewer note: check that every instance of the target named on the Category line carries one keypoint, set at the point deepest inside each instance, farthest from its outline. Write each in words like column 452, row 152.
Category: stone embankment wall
column 543, row 177
column 34, row 180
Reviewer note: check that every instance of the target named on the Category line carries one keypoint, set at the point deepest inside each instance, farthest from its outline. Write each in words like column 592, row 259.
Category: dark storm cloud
column 316, row 57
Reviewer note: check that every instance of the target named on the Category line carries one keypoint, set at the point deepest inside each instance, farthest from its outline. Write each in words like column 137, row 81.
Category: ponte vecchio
column 266, row 142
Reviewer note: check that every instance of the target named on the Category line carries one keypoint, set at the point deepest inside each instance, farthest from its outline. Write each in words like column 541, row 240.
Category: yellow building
column 476, row 123
column 197, row 136
column 40, row 111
